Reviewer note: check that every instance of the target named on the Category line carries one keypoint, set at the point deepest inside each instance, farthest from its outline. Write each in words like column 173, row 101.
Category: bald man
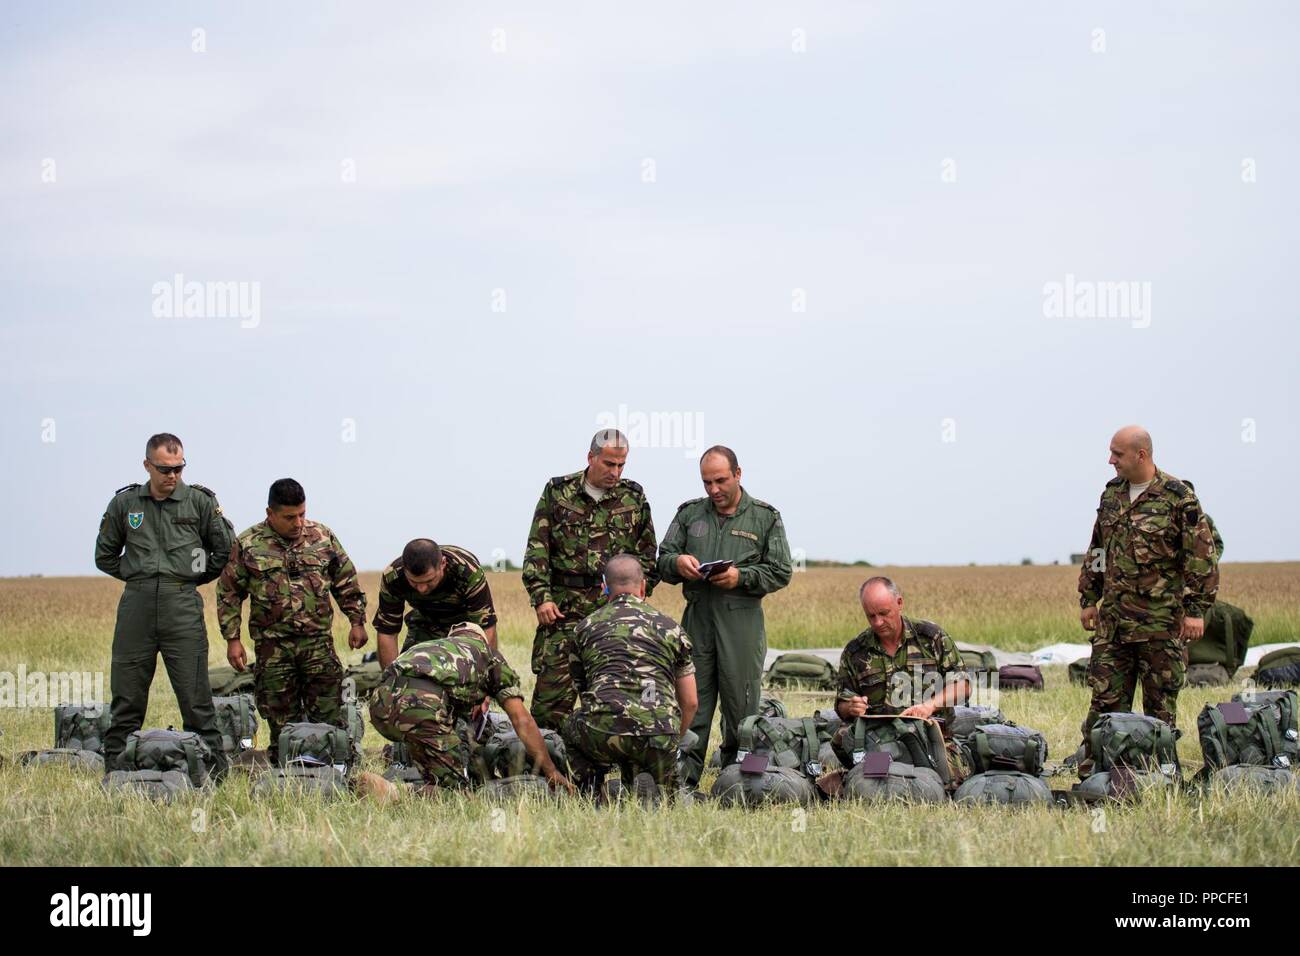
column 1150, row 575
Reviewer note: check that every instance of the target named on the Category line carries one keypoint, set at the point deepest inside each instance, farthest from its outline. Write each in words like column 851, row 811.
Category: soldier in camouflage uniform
column 724, row 612
column 442, row 585
column 288, row 567
column 434, row 685
column 581, row 520
column 631, row 666
column 1148, row 579
column 163, row 539
column 900, row 666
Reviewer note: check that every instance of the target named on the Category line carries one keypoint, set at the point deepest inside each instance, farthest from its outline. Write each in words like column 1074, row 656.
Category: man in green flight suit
column 163, row 538
column 581, row 521
column 724, row 614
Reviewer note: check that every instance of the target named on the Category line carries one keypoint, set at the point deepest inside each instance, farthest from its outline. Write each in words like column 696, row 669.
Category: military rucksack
column 900, row 781
column 738, row 787
column 1226, row 638
column 1125, row 784
column 771, row 707
column 366, row 676
column 906, row 739
column 504, row 754
column 1005, row 787
column 806, row 671
column 81, row 728
column 225, row 681
column 800, row 743
column 1079, row 671
column 999, row 747
column 164, row 750
column 161, row 785
column 321, row 743
column 1020, row 677
column 1207, row 675
column 978, row 660
column 1279, row 668
column 63, row 757
column 1260, row 731
column 1255, row 779
column 966, row 719
column 353, row 719
column 303, row 777
column 1134, row 741
column 236, row 722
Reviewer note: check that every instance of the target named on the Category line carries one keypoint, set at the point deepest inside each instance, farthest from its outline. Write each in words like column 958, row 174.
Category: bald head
column 623, row 575
column 1130, row 454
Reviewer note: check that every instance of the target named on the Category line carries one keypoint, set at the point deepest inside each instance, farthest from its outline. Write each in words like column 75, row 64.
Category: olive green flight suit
column 728, row 639
column 163, row 550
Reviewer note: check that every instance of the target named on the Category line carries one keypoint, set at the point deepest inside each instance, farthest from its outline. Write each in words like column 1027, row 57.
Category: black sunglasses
column 168, row 469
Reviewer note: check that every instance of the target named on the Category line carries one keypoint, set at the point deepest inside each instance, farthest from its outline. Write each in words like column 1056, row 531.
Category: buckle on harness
column 858, row 755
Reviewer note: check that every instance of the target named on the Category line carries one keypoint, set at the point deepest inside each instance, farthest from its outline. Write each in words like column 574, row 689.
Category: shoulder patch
column 207, row 491
column 1115, row 482
column 1177, row 487
column 390, row 573
column 686, row 504
column 633, row 486
column 764, row 504
column 561, row 480
column 131, row 487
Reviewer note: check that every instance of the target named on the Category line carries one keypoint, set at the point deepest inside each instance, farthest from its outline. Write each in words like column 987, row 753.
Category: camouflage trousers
column 1158, row 662
column 416, row 712
column 554, row 695
column 297, row 679
column 593, row 753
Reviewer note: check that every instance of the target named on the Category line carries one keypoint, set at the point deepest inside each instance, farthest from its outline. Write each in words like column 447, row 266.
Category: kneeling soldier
column 288, row 567
column 428, row 688
column 885, row 668
column 632, row 669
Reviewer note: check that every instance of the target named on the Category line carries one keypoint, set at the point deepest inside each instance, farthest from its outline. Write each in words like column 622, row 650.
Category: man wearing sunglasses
column 164, row 539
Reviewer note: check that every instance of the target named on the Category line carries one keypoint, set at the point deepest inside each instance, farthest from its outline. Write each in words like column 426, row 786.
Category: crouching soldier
column 632, row 669
column 431, row 686
column 885, row 669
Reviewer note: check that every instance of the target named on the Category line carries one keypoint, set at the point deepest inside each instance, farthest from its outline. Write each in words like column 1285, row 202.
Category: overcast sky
column 858, row 243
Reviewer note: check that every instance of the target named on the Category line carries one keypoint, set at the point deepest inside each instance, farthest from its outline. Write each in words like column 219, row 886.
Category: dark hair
column 726, row 453
column 421, row 556
column 285, row 493
column 162, row 440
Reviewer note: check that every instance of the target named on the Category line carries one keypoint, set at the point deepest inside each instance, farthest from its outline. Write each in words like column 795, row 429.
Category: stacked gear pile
column 312, row 759
column 1251, row 742
column 777, row 761
column 236, row 722
column 1132, row 754
column 1008, row 763
column 162, row 765
column 78, row 739
column 795, row 671
column 1279, row 668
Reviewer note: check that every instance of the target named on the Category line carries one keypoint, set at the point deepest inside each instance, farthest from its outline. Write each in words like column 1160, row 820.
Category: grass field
column 55, row 816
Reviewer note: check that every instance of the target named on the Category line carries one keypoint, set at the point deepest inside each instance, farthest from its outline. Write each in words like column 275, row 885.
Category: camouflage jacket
column 572, row 536
column 288, row 584
column 625, row 659
column 184, row 536
column 461, row 595
column 464, row 666
column 1151, row 562
column 916, row 673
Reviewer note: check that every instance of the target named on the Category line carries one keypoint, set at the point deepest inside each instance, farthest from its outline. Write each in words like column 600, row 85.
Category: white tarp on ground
column 1061, row 653
column 1253, row 654
column 1051, row 654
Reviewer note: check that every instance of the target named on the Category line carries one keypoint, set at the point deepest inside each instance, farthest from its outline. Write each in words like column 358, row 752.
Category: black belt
column 583, row 581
